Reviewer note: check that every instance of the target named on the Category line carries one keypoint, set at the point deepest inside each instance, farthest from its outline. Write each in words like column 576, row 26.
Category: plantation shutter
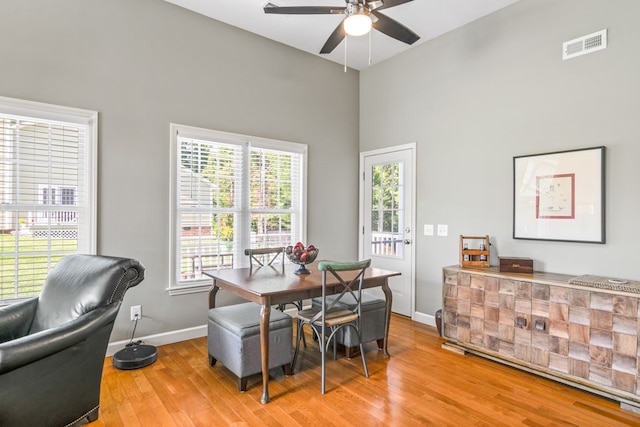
column 46, row 197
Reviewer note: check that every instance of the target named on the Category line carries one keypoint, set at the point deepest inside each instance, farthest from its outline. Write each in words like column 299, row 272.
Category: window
column 230, row 192
column 47, row 187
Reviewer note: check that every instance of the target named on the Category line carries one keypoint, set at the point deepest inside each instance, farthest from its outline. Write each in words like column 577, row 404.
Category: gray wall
column 471, row 100
column 146, row 63
column 497, row 88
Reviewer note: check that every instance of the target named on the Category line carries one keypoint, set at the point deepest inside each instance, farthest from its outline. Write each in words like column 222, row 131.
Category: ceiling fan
column 362, row 14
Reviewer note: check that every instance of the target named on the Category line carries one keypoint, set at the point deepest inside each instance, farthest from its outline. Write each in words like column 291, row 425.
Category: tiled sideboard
column 583, row 336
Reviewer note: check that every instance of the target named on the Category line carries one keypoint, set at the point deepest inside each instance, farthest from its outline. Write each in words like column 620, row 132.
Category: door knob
column 407, row 241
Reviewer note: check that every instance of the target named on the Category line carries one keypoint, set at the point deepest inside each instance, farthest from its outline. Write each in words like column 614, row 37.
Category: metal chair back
column 264, row 257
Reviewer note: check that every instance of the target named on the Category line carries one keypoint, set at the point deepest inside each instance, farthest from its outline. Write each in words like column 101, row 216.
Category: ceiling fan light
column 357, row 24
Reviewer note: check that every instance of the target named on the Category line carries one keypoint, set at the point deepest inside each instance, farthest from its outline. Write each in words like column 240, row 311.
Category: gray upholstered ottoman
column 234, row 340
column 371, row 323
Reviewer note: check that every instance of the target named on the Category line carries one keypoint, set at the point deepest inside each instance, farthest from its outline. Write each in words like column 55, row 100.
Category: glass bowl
column 301, row 256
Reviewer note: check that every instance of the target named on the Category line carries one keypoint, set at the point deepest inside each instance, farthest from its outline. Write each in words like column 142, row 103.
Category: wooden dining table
column 269, row 286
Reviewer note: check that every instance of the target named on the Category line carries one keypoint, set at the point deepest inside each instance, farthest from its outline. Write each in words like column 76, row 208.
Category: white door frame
column 363, row 154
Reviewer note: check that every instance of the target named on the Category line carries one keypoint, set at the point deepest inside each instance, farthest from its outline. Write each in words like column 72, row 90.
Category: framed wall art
column 560, row 196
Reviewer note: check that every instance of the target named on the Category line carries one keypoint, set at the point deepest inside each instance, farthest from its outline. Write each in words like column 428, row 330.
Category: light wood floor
column 421, row 384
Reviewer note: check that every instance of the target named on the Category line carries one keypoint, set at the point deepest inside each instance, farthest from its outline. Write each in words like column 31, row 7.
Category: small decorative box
column 516, row 265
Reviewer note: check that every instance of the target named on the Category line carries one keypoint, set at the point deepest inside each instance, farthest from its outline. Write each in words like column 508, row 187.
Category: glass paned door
column 387, row 217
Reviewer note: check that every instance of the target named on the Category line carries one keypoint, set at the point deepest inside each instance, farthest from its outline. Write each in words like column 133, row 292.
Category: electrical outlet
column 136, row 312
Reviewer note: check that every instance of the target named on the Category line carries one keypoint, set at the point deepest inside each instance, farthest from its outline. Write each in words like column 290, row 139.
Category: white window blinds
column 275, row 197
column 46, row 189
column 231, row 192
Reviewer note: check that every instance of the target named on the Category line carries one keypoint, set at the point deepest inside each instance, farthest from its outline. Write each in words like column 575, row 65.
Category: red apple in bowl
column 301, row 255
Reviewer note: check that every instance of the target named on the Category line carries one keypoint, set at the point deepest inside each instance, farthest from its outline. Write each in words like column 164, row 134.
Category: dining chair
column 339, row 279
column 267, row 257
column 372, row 322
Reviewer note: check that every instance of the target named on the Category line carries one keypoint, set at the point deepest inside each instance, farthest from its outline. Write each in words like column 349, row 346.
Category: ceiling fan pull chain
column 346, row 37
column 369, row 48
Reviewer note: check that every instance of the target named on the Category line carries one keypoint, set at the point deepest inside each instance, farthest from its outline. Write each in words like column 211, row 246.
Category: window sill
column 193, row 288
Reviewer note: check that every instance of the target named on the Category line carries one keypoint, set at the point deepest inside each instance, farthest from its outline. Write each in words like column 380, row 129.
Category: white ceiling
column 427, row 18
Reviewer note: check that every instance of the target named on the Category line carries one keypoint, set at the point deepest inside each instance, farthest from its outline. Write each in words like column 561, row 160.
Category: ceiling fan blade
column 374, row 4
column 390, row 3
column 304, row 10
column 394, row 29
column 334, row 39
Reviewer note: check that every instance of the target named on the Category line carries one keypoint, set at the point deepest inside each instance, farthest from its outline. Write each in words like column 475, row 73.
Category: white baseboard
column 425, row 318
column 201, row 331
column 162, row 339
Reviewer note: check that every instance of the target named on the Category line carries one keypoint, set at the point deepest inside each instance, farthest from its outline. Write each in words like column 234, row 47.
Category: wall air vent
column 585, row 44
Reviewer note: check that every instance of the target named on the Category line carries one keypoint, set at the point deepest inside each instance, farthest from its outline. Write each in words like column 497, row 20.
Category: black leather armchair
column 52, row 347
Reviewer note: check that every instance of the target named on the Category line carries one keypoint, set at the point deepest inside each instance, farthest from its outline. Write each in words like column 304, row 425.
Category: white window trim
column 59, row 113
column 205, row 284
column 56, row 113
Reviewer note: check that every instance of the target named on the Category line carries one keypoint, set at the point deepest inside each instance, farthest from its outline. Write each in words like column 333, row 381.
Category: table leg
column 388, row 298
column 212, row 295
column 265, row 313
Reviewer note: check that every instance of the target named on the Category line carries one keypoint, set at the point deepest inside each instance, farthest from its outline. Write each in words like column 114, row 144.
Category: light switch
column 428, row 229
column 443, row 229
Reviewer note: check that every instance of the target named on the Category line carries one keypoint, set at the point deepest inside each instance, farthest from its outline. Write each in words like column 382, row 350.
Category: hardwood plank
column 421, row 384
